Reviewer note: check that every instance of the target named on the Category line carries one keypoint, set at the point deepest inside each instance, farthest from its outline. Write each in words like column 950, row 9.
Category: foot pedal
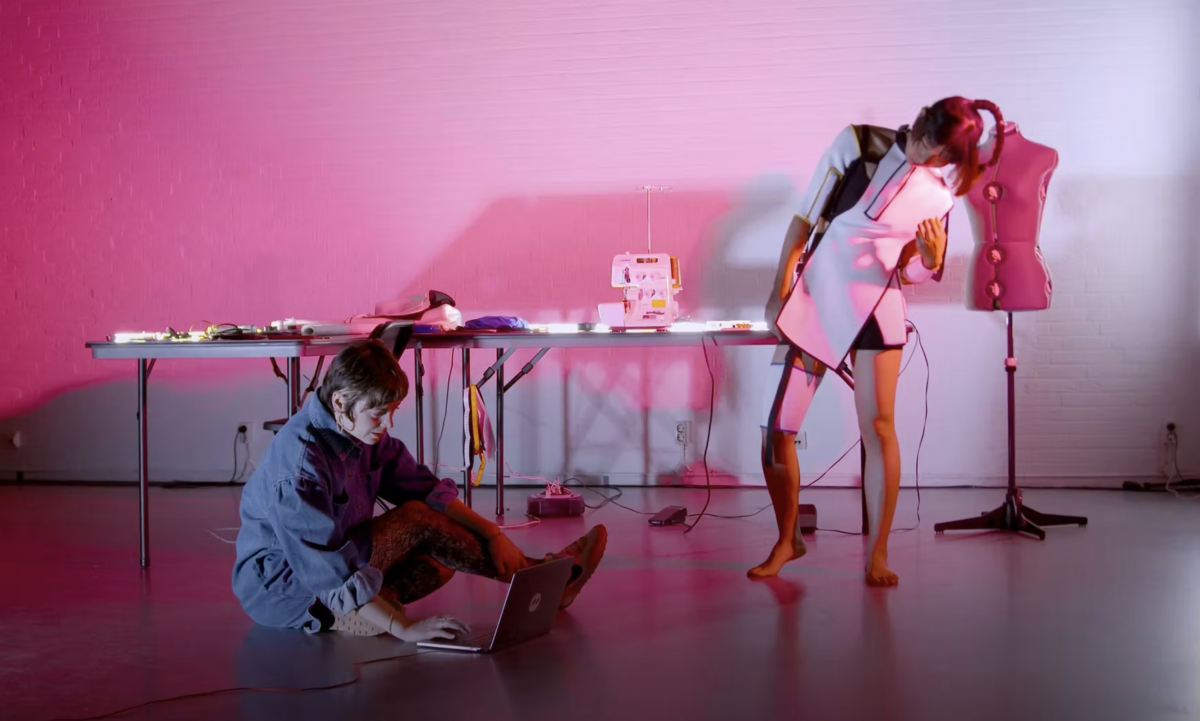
column 808, row 518
column 669, row 516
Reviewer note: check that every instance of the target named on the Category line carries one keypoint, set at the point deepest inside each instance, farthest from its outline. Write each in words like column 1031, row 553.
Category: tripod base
column 1012, row 516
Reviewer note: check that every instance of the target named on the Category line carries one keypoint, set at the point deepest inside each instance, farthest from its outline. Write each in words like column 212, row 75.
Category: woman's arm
column 462, row 514
column 383, row 615
column 785, row 274
column 505, row 555
column 394, row 621
column 822, row 185
column 793, row 249
column 924, row 257
column 404, row 479
column 333, row 566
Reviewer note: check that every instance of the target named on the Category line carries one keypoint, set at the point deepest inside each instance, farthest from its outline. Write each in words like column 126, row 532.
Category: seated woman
column 309, row 553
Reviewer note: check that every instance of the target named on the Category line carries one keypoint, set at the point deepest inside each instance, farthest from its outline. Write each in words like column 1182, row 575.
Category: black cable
column 809, row 485
column 846, row 533
column 708, row 481
column 924, row 422
column 203, row 694
column 312, row 385
column 237, row 475
column 608, row 499
column 712, row 411
column 855, row 445
column 233, row 479
column 920, row 443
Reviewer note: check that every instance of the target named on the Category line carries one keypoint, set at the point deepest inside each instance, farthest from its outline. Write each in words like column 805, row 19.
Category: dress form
column 1008, row 271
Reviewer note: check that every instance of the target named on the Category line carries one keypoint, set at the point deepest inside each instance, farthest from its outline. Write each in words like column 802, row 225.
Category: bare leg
column 781, row 468
column 875, row 377
column 783, row 485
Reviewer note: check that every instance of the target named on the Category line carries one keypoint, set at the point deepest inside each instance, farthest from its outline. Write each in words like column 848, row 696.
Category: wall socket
column 802, row 441
column 683, row 432
column 248, row 429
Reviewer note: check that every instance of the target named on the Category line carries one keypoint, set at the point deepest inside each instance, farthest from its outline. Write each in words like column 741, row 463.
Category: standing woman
column 877, row 210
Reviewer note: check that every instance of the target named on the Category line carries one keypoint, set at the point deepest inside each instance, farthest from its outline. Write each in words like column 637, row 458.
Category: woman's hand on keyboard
column 429, row 629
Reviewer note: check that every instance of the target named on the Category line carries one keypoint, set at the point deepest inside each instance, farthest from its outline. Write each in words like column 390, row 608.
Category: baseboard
column 628, row 480
column 853, row 480
column 118, row 476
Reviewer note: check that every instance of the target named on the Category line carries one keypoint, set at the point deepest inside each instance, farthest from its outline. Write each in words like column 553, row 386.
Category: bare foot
column 781, row 553
column 878, row 573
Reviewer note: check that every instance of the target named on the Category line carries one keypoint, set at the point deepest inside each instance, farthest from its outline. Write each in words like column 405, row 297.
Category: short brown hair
column 366, row 371
column 955, row 124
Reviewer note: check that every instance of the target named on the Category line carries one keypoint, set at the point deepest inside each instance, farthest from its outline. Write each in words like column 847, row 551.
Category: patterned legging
column 418, row 550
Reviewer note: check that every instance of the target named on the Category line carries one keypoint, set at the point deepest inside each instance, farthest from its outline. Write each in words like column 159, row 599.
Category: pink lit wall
column 169, row 163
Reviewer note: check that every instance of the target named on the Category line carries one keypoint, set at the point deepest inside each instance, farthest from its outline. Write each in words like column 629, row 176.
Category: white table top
column 306, row 346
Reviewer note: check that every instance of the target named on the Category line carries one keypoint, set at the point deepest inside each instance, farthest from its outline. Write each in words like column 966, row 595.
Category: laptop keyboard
column 479, row 640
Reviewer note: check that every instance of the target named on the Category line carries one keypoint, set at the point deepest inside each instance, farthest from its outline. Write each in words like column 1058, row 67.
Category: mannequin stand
column 1012, row 515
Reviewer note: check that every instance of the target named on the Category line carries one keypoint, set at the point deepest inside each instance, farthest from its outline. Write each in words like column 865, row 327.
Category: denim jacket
column 305, row 540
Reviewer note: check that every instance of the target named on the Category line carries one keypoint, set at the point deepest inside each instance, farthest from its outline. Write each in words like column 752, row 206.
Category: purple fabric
column 496, row 322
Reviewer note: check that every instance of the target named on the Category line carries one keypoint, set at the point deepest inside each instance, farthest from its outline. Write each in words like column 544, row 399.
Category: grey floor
column 1101, row 622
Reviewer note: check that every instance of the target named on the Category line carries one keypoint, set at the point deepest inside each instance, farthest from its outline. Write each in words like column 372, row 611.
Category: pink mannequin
column 1008, row 272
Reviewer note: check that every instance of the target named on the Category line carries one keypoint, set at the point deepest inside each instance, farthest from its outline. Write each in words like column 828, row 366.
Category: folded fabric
column 496, row 322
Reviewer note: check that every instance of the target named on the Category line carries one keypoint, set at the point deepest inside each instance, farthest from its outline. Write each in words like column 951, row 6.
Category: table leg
column 293, row 382
column 143, row 463
column 466, row 383
column 419, row 392
column 500, row 433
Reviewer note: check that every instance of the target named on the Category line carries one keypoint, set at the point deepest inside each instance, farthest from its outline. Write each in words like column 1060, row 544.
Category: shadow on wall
column 1113, row 358
column 547, row 259
column 1190, row 269
column 745, row 249
column 89, row 433
column 1182, row 386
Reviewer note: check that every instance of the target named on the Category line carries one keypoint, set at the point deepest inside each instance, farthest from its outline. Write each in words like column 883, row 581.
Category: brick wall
column 168, row 163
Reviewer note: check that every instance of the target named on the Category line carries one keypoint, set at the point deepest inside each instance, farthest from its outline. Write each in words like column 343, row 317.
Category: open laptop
column 529, row 609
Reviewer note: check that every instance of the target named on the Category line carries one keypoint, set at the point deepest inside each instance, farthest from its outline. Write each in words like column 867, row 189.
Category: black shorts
column 871, row 338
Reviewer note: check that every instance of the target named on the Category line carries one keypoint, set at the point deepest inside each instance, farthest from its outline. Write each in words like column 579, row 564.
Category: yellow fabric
column 476, row 437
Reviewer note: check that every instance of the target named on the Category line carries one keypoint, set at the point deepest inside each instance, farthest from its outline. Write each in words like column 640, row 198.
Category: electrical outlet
column 802, row 441
column 246, row 428
column 683, row 431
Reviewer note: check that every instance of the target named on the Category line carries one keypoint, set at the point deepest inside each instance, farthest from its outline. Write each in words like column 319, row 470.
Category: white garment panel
column 854, row 264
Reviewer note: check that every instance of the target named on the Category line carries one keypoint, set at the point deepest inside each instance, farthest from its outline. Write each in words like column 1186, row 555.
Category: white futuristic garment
column 851, row 273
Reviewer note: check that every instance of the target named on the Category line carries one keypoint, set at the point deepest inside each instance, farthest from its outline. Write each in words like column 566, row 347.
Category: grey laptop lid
column 529, row 609
column 532, row 602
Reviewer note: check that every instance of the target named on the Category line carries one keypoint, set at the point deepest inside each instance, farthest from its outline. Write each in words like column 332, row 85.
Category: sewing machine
column 649, row 284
